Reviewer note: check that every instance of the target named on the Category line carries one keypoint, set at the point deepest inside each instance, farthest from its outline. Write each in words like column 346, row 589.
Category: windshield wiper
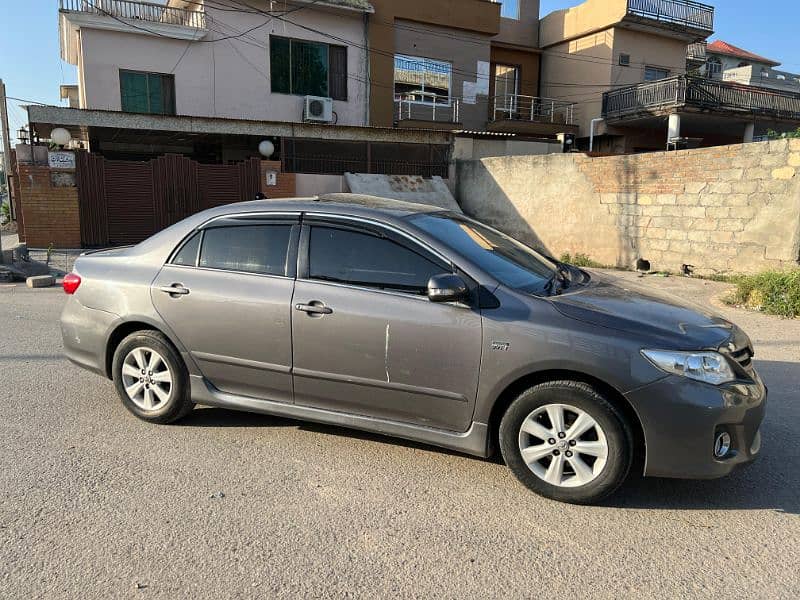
column 560, row 279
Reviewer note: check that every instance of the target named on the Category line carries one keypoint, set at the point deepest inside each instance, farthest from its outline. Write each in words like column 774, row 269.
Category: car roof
column 346, row 204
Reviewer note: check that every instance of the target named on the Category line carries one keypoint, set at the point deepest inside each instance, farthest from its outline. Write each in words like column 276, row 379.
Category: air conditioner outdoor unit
column 318, row 109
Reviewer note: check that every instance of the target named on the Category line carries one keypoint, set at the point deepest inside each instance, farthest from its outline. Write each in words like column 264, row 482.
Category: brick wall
column 50, row 213
column 724, row 210
column 286, row 181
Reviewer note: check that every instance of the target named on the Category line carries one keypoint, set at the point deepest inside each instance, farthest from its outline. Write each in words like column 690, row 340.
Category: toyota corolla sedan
column 423, row 324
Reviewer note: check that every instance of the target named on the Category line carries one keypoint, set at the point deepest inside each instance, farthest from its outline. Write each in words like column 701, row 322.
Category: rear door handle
column 314, row 308
column 176, row 289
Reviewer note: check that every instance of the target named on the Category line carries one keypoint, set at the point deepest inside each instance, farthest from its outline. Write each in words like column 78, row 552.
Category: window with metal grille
column 422, row 79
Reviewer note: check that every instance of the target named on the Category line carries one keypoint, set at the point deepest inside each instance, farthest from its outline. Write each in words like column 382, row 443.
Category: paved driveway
column 94, row 502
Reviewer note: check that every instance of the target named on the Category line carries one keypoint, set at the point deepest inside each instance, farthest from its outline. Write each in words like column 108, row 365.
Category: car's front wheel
column 150, row 378
column 566, row 441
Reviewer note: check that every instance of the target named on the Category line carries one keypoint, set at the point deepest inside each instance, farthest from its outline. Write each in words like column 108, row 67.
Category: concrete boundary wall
column 729, row 209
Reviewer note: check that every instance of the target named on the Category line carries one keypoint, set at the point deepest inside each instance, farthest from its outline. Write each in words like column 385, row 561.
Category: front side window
column 147, row 93
column 422, row 79
column 499, row 255
column 654, row 73
column 363, row 259
column 307, row 68
column 258, row 249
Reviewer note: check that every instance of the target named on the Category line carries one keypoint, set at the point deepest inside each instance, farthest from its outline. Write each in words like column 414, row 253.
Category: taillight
column 71, row 282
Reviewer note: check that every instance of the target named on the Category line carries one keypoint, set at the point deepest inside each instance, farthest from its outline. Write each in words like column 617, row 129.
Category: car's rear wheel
column 566, row 441
column 151, row 378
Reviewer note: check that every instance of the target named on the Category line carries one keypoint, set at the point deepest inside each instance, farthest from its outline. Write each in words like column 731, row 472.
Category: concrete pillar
column 674, row 127
column 749, row 130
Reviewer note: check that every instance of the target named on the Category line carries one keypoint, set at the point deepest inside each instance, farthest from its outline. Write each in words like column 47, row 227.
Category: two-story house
column 198, row 59
column 635, row 69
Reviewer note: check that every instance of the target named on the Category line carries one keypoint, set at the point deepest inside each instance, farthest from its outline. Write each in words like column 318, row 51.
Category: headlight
column 709, row 367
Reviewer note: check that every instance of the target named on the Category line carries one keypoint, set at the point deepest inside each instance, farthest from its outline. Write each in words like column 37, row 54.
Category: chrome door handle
column 314, row 308
column 176, row 289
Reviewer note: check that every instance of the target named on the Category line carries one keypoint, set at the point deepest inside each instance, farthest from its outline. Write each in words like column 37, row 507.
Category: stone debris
column 40, row 281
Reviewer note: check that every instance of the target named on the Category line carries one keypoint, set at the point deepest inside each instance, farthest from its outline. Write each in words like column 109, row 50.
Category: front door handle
column 314, row 308
column 176, row 289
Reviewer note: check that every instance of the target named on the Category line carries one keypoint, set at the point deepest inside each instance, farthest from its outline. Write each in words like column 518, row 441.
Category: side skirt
column 474, row 441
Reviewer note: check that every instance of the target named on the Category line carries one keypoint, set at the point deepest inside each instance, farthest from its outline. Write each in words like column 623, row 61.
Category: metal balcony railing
column 684, row 13
column 137, row 11
column 515, row 107
column 697, row 51
column 700, row 93
column 427, row 106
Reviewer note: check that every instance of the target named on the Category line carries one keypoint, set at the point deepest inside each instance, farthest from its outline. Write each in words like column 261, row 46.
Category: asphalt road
column 96, row 504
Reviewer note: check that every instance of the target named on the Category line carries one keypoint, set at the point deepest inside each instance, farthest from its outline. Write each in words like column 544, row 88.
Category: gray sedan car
column 423, row 324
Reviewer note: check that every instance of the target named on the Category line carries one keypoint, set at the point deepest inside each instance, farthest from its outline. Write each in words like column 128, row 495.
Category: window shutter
column 134, row 92
column 338, row 72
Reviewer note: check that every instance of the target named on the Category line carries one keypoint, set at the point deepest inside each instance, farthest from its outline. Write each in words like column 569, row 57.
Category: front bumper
column 681, row 418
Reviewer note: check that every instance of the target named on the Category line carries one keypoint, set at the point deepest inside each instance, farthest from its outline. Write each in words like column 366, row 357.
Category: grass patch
column 581, row 260
column 772, row 292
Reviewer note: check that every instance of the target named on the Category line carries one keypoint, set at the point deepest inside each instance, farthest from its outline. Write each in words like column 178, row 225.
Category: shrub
column 773, row 292
column 580, row 260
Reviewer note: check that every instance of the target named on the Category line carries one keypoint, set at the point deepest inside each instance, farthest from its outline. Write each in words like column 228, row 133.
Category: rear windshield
column 510, row 262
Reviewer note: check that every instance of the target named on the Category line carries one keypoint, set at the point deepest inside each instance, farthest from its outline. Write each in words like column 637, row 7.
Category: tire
column 569, row 465
column 162, row 393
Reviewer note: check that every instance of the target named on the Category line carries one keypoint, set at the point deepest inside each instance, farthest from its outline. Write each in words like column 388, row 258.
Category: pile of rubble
column 16, row 265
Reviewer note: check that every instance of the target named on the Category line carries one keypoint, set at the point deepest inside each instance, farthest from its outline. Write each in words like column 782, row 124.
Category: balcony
column 694, row 94
column 145, row 12
column 686, row 20
column 696, row 53
column 124, row 16
column 515, row 113
column 426, row 110
column 682, row 16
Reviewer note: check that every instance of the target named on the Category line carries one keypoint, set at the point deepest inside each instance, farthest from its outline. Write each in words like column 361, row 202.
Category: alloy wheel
column 563, row 445
column 147, row 379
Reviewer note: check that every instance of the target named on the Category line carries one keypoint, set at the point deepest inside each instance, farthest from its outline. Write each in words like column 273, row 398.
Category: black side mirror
column 446, row 288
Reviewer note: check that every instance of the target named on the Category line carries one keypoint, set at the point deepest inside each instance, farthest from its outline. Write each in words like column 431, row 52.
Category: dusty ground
column 95, row 502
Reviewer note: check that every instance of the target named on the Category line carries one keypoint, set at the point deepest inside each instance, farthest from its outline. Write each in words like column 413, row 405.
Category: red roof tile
column 720, row 47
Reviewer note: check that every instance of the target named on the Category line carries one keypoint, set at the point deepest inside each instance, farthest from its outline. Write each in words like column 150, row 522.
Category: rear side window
column 187, row 255
column 252, row 249
column 362, row 259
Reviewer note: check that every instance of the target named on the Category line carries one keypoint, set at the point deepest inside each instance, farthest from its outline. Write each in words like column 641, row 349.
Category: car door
column 226, row 293
column 366, row 339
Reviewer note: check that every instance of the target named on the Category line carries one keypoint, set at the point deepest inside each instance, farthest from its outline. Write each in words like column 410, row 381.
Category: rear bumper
column 84, row 334
column 681, row 419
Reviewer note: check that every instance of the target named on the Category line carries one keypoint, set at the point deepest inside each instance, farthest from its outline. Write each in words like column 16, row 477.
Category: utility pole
column 6, row 149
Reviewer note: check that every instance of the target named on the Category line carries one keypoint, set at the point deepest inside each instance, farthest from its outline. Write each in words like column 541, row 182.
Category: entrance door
column 506, row 87
column 366, row 338
column 227, row 294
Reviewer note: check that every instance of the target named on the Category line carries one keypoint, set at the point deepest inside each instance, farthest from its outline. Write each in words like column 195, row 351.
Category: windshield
column 507, row 260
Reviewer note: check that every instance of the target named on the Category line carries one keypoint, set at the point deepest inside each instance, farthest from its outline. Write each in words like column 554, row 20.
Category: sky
column 31, row 68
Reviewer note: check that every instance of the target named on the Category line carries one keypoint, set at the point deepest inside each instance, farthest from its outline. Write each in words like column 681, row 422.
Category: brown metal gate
column 124, row 202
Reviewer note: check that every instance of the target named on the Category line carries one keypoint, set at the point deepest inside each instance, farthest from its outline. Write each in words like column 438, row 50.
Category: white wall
column 227, row 78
